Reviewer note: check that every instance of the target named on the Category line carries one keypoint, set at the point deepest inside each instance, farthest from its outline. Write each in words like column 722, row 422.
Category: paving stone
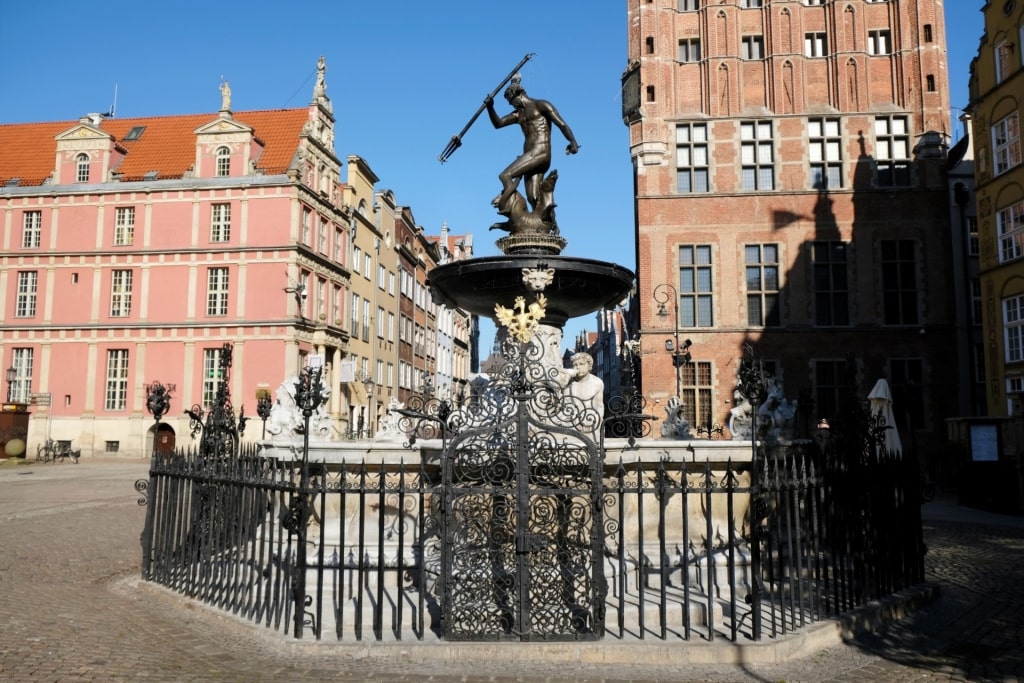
column 73, row 609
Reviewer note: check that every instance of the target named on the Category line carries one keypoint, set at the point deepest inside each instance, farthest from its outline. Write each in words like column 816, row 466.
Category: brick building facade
column 791, row 196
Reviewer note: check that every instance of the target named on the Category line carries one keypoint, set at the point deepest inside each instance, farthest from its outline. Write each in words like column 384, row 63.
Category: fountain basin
column 580, row 286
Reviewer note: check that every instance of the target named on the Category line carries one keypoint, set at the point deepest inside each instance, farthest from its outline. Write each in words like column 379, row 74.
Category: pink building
column 133, row 249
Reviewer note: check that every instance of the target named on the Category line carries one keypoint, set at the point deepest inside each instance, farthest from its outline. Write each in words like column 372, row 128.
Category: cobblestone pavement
column 72, row 609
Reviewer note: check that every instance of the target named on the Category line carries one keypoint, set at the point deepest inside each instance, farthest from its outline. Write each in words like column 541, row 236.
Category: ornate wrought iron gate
column 522, row 514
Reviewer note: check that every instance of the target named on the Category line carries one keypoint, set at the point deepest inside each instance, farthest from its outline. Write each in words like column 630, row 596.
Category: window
column 972, row 235
column 892, row 151
column 927, row 33
column 879, row 42
column 391, row 284
column 368, row 266
column 1006, row 143
column 750, row 3
column 831, row 289
column 338, row 242
column 929, row 83
column 1010, row 223
column 25, row 298
column 306, row 218
column 1003, row 60
column 354, row 312
column 391, row 327
column 695, row 383
column 21, row 361
column 814, row 2
column 366, row 320
column 689, row 50
column 762, row 264
column 381, row 320
column 211, row 375
column 217, row 291
column 831, row 386
column 223, row 162
column 357, row 259
column 111, row 446
column 121, row 293
column 899, row 282
column 220, row 222
column 31, row 229
column 336, row 305
column 757, row 156
column 907, row 385
column 825, row 149
column 381, row 276
column 752, row 47
column 1013, row 328
column 116, row 390
column 323, row 237
column 82, row 168
column 689, row 5
column 691, row 158
column 695, row 290
column 124, row 225
column 815, row 45
column 650, row 93
column 975, row 287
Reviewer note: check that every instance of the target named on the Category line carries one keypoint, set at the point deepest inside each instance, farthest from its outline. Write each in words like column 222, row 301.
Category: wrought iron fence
column 742, row 551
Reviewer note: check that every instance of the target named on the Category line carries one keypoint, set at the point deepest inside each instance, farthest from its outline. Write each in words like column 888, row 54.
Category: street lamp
column 12, row 373
column 264, row 404
column 680, row 352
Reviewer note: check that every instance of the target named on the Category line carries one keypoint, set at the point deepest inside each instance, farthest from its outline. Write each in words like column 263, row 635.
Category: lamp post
column 309, row 395
column 158, row 402
column 371, row 403
column 680, row 353
column 12, row 374
column 264, row 403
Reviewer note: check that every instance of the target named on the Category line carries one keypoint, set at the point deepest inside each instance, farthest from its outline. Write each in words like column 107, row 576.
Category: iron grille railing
column 742, row 551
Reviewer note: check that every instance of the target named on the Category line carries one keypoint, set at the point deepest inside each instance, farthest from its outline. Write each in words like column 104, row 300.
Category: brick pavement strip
column 73, row 609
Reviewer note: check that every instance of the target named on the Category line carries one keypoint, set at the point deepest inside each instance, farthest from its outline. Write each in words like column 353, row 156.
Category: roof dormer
column 225, row 148
column 85, row 154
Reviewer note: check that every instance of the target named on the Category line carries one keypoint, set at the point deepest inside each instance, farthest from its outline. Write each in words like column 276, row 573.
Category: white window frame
column 82, row 167
column 879, row 42
column 892, row 150
column 124, row 226
column 752, row 46
column 1013, row 328
column 217, row 291
column 816, row 44
column 220, row 222
column 21, row 361
column 25, row 298
column 223, row 155
column 31, row 229
column 689, row 50
column 757, row 155
column 116, row 387
column 825, row 151
column 692, row 172
column 1006, row 150
column 1010, row 226
column 120, row 293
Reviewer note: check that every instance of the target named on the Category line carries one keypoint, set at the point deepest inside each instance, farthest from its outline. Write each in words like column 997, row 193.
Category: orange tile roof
column 28, row 150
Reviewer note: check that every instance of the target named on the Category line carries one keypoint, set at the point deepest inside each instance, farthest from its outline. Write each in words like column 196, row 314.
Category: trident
column 456, row 140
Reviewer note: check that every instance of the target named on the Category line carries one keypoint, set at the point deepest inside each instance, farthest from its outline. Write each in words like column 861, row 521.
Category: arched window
column 82, row 168
column 223, row 162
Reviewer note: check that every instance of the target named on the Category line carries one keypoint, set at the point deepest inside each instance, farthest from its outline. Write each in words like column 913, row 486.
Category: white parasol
column 880, row 399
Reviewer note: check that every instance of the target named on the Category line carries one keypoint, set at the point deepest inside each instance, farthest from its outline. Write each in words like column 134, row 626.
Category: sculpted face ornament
column 537, row 279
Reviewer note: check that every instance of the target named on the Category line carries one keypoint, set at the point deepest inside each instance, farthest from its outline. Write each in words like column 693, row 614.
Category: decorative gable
column 224, row 148
column 84, row 153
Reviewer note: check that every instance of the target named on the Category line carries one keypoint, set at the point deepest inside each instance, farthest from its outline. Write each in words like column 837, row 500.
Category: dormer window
column 82, row 168
column 223, row 162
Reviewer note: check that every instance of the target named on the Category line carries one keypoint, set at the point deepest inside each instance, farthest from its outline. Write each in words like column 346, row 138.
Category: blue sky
column 403, row 76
